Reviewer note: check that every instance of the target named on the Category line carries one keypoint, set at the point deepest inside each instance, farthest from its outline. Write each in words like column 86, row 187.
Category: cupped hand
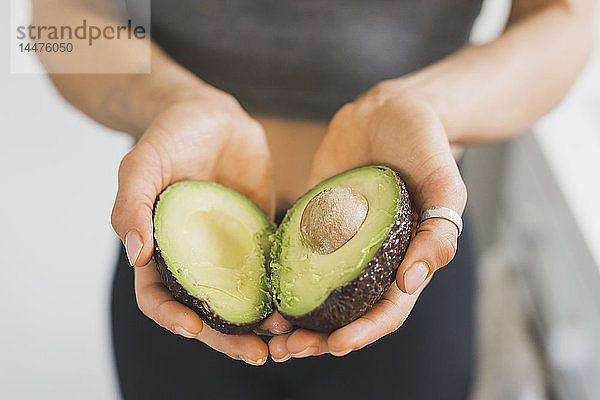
column 396, row 127
column 210, row 139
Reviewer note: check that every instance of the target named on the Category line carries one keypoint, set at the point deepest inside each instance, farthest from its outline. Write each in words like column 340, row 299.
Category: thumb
column 435, row 242
column 140, row 181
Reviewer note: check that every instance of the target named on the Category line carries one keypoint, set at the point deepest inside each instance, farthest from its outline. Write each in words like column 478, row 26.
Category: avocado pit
column 332, row 218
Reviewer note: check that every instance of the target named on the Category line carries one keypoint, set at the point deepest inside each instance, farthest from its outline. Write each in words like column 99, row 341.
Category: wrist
column 155, row 100
column 200, row 92
column 413, row 89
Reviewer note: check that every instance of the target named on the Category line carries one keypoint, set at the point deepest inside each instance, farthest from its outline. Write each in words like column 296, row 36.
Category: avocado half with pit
column 338, row 248
column 211, row 251
column 330, row 261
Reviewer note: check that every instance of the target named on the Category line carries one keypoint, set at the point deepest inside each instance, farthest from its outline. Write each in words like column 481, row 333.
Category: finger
column 140, row 181
column 276, row 324
column 435, row 242
column 386, row 317
column 248, row 348
column 156, row 303
column 298, row 344
column 278, row 348
column 304, row 343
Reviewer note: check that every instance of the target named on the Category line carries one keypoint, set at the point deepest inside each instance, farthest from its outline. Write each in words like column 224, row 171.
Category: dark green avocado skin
column 201, row 307
column 349, row 302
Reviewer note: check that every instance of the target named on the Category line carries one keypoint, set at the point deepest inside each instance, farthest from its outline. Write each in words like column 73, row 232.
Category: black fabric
column 429, row 357
column 306, row 58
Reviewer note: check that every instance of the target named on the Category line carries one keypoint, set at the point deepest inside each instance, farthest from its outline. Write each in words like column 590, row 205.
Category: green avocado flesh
column 302, row 278
column 215, row 242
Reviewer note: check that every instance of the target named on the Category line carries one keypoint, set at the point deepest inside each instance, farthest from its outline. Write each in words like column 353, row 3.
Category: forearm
column 125, row 102
column 493, row 91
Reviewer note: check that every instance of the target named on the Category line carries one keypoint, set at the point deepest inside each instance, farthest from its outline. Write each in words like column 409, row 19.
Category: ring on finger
column 444, row 213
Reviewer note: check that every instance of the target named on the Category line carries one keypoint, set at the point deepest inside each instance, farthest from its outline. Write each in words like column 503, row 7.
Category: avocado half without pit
column 330, row 261
column 211, row 251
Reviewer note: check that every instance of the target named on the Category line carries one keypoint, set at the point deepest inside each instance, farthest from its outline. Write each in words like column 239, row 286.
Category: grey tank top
column 306, row 58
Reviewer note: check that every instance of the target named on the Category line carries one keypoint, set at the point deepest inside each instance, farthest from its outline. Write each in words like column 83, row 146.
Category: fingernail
column 415, row 277
column 280, row 360
column 281, row 328
column 185, row 333
column 133, row 246
column 340, row 353
column 253, row 362
column 309, row 351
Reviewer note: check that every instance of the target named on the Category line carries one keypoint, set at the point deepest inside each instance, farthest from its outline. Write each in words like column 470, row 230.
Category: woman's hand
column 204, row 138
column 394, row 127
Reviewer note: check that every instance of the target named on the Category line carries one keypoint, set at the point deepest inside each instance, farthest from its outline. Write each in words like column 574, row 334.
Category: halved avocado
column 338, row 248
column 211, row 250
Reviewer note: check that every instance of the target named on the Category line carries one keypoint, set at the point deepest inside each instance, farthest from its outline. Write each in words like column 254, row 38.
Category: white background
column 58, row 180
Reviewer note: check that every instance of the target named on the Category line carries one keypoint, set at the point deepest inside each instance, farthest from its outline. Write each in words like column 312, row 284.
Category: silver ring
column 444, row 213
